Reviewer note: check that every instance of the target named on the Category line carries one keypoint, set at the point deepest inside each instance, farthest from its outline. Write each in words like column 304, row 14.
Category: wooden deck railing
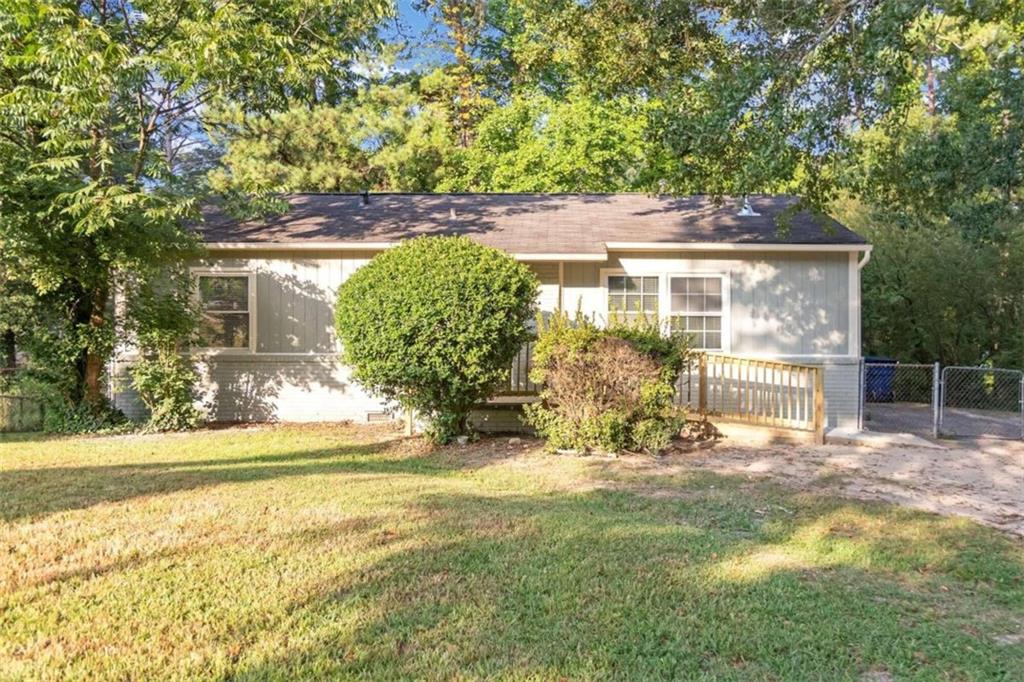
column 519, row 378
column 761, row 392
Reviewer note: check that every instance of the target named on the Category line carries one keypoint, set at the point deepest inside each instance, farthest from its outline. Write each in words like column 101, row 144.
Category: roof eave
column 724, row 246
column 540, row 257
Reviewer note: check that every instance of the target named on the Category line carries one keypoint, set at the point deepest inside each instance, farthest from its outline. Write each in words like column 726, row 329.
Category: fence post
column 941, row 398
column 861, row 392
column 702, row 387
column 1022, row 406
column 936, row 398
column 819, row 405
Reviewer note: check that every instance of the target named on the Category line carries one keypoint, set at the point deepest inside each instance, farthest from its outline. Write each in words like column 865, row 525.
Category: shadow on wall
column 295, row 374
column 259, row 389
column 295, row 305
column 793, row 305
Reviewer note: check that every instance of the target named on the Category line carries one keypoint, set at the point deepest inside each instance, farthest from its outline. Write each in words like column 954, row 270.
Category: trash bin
column 879, row 379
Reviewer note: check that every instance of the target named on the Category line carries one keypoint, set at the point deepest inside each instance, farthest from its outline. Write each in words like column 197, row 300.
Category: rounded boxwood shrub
column 433, row 324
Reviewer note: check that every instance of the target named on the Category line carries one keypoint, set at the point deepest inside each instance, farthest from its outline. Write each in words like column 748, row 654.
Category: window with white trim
column 629, row 298
column 226, row 321
column 695, row 307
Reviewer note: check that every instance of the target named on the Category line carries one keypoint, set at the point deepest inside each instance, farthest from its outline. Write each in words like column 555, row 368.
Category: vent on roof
column 451, row 213
column 365, row 194
column 747, row 211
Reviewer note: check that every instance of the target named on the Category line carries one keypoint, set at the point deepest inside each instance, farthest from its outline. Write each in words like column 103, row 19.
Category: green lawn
column 335, row 551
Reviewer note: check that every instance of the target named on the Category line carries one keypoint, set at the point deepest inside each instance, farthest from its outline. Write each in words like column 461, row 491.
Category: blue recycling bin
column 879, row 379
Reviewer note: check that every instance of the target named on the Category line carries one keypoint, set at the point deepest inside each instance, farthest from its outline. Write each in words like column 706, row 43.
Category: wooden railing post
column 702, row 391
column 819, row 405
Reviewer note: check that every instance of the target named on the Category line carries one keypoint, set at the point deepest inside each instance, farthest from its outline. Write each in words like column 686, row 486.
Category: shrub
column 163, row 318
column 607, row 389
column 60, row 414
column 433, row 324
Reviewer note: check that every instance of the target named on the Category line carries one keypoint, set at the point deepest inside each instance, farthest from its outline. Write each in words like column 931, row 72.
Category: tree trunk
column 10, row 349
column 930, row 87
column 92, row 370
column 464, row 20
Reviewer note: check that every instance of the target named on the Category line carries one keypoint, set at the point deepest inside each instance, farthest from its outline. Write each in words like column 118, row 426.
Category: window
column 226, row 314
column 695, row 307
column 628, row 297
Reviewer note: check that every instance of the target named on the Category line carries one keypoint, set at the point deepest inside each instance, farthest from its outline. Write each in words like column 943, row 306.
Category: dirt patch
column 983, row 481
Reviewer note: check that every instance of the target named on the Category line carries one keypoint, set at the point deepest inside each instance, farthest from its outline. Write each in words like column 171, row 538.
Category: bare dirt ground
column 980, row 479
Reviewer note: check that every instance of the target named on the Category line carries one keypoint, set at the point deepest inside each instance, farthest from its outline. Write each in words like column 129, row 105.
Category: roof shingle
column 527, row 223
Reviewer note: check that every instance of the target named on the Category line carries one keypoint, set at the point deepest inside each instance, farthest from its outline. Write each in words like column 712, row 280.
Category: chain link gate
column 982, row 402
column 928, row 400
column 899, row 397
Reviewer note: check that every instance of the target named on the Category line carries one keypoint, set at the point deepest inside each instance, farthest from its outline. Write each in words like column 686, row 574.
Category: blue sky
column 417, row 29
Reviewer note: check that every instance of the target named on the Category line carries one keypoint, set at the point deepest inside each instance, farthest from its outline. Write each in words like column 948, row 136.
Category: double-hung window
column 695, row 307
column 630, row 298
column 226, row 303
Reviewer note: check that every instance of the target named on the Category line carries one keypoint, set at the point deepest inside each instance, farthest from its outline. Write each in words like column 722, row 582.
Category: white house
column 722, row 271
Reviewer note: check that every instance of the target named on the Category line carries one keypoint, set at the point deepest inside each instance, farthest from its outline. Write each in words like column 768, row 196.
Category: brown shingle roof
column 527, row 223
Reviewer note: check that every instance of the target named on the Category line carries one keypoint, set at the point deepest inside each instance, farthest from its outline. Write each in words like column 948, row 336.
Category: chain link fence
column 930, row 400
column 18, row 413
column 982, row 402
column 899, row 397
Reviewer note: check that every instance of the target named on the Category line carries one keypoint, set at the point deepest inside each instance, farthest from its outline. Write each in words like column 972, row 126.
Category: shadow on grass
column 611, row 584
column 30, row 492
column 696, row 575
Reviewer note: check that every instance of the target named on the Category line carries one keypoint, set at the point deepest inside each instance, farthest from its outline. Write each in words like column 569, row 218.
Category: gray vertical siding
column 782, row 305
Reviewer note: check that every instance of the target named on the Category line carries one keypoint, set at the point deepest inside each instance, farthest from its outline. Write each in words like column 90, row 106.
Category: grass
column 343, row 552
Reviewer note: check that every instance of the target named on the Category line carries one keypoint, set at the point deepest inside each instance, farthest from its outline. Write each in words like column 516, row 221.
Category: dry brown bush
column 604, row 378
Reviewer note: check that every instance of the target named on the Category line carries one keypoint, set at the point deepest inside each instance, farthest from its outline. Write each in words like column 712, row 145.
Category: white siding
column 784, row 306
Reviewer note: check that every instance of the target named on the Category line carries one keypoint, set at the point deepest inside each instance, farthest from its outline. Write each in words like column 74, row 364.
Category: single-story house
column 720, row 270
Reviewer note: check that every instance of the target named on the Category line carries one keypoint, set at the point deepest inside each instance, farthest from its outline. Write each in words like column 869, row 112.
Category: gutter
column 556, row 257
column 865, row 258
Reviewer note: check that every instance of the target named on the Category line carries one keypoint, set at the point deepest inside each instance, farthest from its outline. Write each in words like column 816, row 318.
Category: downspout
column 864, row 259
column 561, row 283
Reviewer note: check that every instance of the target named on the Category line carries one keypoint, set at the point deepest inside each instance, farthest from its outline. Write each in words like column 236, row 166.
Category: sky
column 417, row 29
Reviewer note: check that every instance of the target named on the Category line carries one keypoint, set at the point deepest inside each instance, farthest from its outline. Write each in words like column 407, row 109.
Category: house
column 721, row 271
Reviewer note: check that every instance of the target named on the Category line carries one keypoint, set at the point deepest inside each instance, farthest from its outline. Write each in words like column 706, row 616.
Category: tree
column 537, row 143
column 433, row 324
column 939, row 187
column 465, row 23
column 386, row 138
column 101, row 104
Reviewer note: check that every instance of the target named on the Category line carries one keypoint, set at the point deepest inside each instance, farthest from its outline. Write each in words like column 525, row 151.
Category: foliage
column 112, row 115
column 536, row 143
column 61, row 415
column 163, row 321
column 433, row 324
column 931, row 294
column 385, row 138
column 102, row 107
column 610, row 389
